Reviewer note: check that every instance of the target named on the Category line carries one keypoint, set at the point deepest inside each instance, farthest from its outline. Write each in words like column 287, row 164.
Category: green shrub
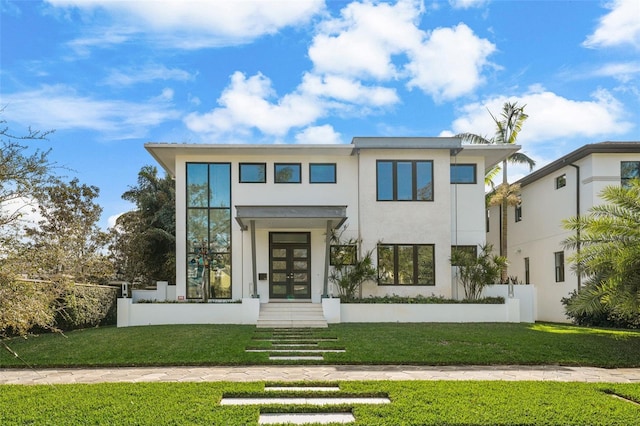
column 605, row 317
column 85, row 305
column 422, row 300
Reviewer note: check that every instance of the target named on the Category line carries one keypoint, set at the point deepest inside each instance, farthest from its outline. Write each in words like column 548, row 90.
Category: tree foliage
column 477, row 271
column 349, row 271
column 608, row 239
column 143, row 240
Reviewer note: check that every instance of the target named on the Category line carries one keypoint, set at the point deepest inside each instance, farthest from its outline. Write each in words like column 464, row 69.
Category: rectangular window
column 253, row 172
column 559, row 264
column 629, row 170
column 406, row 264
column 463, row 173
column 518, row 213
column 472, row 250
column 322, row 173
column 345, row 254
column 527, row 276
column 487, row 219
column 404, row 180
column 287, row 173
column 561, row 181
column 208, row 227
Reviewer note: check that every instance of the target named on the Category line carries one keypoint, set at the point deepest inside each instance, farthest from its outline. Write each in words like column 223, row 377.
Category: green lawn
column 412, row 403
column 430, row 344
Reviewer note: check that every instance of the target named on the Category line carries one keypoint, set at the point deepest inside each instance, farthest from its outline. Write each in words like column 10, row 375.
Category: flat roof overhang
column 493, row 154
column 291, row 216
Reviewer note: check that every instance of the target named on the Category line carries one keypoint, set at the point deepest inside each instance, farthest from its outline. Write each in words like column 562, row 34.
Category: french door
column 289, row 265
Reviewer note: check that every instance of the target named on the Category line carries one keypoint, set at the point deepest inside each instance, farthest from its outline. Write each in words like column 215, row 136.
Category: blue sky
column 112, row 75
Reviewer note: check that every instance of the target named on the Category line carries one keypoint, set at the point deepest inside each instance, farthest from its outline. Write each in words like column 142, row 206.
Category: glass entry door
column 289, row 265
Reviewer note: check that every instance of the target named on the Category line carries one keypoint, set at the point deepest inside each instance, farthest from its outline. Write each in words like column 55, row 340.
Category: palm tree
column 609, row 255
column 508, row 127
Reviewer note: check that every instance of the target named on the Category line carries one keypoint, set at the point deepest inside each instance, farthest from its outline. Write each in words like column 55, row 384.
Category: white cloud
column 196, row 23
column 467, row 4
column 319, row 135
column 145, row 74
column 348, row 90
column 551, row 117
column 619, row 27
column 622, row 71
column 450, row 62
column 60, row 107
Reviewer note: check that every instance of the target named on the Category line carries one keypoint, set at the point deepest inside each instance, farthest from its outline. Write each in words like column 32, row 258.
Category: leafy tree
column 508, row 127
column 349, row 272
column 609, row 255
column 477, row 271
column 143, row 240
column 68, row 240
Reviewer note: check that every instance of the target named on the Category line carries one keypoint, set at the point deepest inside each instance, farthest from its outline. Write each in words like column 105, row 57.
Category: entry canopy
column 291, row 216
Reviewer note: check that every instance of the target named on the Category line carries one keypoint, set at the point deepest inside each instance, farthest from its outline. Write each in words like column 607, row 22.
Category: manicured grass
column 430, row 344
column 412, row 403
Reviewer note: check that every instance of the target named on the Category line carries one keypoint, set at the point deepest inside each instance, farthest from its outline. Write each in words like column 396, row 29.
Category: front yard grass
column 383, row 343
column 412, row 403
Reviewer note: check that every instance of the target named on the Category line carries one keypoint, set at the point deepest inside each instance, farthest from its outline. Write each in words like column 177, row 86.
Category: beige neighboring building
column 567, row 187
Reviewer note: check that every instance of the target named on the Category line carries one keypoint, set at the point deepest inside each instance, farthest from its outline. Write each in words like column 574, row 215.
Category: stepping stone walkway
column 294, row 344
column 304, row 396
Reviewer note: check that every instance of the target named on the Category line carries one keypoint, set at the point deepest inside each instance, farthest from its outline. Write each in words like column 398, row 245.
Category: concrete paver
column 289, row 373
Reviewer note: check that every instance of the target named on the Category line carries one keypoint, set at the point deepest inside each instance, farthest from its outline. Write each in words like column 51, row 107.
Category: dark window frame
column 625, row 180
column 275, row 173
column 527, row 271
column 414, row 180
column 561, row 181
column 518, row 212
column 241, row 180
column 334, row 247
column 456, row 165
column 469, row 248
column 335, row 173
column 559, row 266
column 415, row 265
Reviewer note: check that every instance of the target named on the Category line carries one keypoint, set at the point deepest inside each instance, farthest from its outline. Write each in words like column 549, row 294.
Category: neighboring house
column 260, row 215
column 567, row 187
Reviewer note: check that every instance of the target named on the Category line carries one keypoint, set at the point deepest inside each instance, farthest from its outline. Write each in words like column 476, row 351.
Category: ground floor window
column 559, row 265
column 406, row 264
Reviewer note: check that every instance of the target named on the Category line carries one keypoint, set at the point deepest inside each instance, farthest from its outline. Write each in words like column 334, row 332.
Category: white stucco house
column 569, row 186
column 260, row 216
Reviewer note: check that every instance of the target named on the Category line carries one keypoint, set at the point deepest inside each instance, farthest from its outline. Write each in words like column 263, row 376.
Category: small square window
column 463, row 173
column 287, row 173
column 253, row 172
column 322, row 173
column 561, row 181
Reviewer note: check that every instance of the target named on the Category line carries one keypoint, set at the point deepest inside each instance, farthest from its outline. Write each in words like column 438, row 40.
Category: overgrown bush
column 605, row 317
column 87, row 306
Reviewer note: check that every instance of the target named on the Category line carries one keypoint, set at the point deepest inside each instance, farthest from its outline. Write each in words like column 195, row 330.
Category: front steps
column 291, row 315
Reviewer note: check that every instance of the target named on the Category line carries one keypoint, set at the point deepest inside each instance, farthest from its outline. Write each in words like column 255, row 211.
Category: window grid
column 518, row 213
column 559, row 266
column 406, row 264
column 404, row 180
column 561, row 181
column 629, row 170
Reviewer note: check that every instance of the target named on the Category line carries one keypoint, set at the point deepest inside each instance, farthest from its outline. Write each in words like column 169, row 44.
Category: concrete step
column 291, row 315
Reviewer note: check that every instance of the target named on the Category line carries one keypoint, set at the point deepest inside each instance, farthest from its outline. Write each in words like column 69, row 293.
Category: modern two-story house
column 566, row 187
column 254, row 221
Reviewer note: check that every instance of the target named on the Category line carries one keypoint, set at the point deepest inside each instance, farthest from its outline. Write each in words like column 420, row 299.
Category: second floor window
column 399, row 180
column 559, row 266
column 629, row 170
column 561, row 181
column 518, row 212
column 253, row 172
column 287, row 173
column 463, row 173
column 322, row 173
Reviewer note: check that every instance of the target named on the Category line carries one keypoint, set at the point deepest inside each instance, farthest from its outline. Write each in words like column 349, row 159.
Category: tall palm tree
column 508, row 127
column 609, row 253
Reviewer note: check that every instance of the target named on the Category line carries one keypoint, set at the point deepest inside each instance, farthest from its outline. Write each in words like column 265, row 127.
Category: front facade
column 565, row 188
column 253, row 220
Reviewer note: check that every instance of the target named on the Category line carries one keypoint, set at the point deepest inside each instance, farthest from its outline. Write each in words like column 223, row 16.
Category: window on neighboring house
column 527, row 278
column 629, row 170
column 344, row 254
column 561, row 181
column 253, row 172
column 559, row 264
column 406, row 264
column 322, row 173
column 463, row 173
column 404, row 180
column 208, row 226
column 487, row 219
column 518, row 214
column 473, row 250
column 287, row 173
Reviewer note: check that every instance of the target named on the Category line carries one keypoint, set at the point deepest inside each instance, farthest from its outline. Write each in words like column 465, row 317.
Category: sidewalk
column 317, row 373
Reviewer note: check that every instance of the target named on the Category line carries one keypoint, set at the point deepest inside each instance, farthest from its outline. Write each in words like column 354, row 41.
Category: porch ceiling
column 291, row 216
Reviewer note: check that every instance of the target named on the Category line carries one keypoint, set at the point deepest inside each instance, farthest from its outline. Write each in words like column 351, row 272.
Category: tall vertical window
column 404, row 180
column 561, row 181
column 287, row 173
column 518, row 213
column 559, row 265
column 406, row 264
column 463, row 173
column 208, row 230
column 527, row 276
column 629, row 170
